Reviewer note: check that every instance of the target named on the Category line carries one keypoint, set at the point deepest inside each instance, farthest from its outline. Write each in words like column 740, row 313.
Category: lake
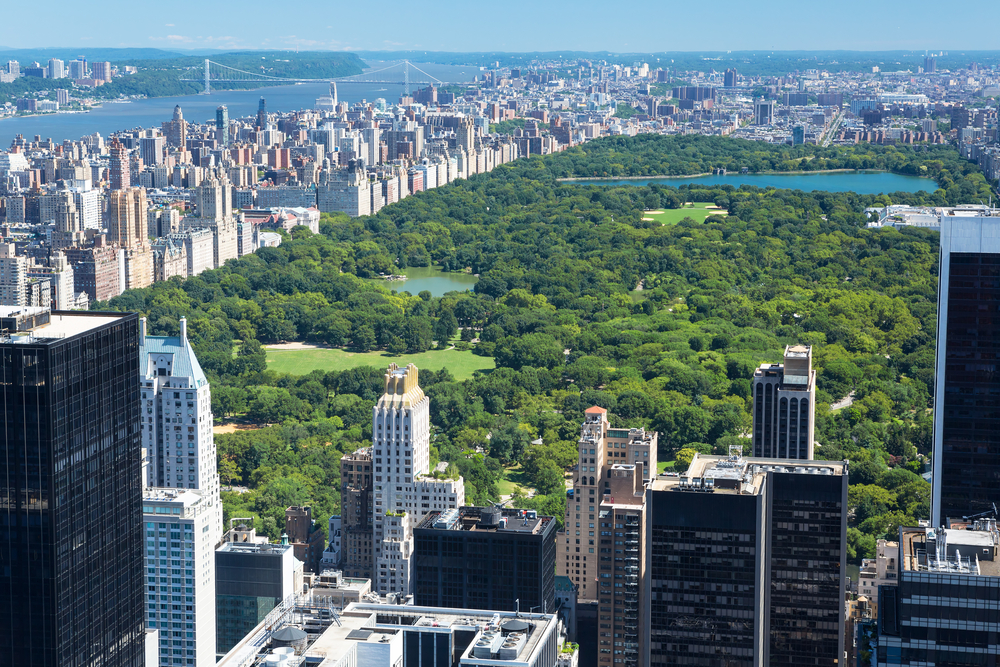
column 432, row 279
column 114, row 117
column 862, row 182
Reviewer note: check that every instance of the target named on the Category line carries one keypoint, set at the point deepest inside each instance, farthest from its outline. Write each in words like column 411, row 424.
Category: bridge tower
column 406, row 78
column 208, row 80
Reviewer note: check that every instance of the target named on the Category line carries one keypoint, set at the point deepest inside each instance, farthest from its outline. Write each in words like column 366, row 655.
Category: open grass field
column 514, row 478
column 664, row 465
column 462, row 364
column 696, row 211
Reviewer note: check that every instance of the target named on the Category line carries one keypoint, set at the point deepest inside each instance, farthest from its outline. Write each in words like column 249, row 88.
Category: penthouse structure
column 485, row 558
column 784, row 406
column 746, row 563
column 944, row 610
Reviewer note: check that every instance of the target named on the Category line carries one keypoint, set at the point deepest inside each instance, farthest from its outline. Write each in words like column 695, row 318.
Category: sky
column 635, row 26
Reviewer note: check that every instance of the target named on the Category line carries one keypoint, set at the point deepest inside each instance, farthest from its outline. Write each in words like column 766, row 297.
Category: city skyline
column 780, row 25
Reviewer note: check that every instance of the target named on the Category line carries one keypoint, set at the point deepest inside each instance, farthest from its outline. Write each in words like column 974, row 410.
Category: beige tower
column 127, row 217
column 602, row 449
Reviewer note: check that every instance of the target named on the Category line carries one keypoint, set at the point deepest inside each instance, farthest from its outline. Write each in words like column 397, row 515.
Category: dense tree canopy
column 581, row 302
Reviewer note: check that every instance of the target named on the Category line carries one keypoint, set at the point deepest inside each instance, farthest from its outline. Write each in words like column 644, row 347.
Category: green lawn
column 300, row 362
column 514, row 478
column 663, row 465
column 696, row 211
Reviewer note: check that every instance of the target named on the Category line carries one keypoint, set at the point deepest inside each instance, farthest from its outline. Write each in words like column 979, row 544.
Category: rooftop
column 487, row 519
column 61, row 324
column 964, row 549
column 254, row 548
column 740, row 475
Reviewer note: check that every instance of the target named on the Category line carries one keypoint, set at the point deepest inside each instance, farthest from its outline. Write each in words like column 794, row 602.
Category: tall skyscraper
column 13, row 276
column 966, row 450
column 222, row 124
column 71, row 543
column 177, row 418
column 763, row 112
column 262, row 115
column 404, row 491
column 175, row 130
column 601, row 447
column 747, row 563
column 151, row 150
column 930, row 64
column 784, row 406
column 57, row 69
column 101, row 71
column 127, row 217
column 78, row 68
column 729, row 81
column 356, row 513
column 119, row 166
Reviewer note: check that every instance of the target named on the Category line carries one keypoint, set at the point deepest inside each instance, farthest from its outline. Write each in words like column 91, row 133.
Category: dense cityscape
column 386, row 383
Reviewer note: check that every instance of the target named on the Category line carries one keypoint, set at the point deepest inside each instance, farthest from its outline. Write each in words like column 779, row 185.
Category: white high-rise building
column 13, row 276
column 181, row 529
column 177, row 419
column 57, row 69
column 403, row 490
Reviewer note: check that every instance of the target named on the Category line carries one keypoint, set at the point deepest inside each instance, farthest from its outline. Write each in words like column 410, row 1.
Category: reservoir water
column 862, row 182
column 432, row 279
column 114, row 116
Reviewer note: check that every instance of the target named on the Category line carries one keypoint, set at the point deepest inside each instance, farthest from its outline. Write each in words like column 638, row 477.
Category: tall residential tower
column 784, row 406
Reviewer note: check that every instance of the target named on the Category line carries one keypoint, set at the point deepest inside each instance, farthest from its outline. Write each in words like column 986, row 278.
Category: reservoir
column 116, row 116
column 862, row 182
column 432, row 279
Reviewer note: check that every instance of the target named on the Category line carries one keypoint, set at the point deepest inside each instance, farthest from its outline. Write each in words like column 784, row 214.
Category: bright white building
column 177, row 419
column 404, row 491
column 180, row 528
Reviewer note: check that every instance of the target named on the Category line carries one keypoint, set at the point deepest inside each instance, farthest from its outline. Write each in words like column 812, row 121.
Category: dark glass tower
column 966, row 477
column 262, row 115
column 71, row 584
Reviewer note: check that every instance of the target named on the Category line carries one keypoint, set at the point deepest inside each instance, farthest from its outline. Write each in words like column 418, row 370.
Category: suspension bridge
column 397, row 73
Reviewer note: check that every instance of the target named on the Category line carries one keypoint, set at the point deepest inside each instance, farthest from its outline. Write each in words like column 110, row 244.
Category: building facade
column 485, row 558
column 966, row 419
column 784, row 406
column 403, row 490
column 746, row 563
column 181, row 535
column 356, row 513
column 71, row 547
column 946, row 608
column 601, row 447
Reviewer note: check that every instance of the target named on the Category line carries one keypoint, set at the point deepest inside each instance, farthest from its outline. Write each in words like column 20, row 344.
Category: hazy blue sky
column 515, row 25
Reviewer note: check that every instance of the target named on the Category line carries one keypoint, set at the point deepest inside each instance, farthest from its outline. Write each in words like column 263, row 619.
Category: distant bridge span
column 214, row 72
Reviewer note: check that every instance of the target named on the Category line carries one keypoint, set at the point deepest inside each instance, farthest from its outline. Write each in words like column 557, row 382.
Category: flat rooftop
column 61, row 324
column 969, row 549
column 741, row 475
column 470, row 519
column 254, row 548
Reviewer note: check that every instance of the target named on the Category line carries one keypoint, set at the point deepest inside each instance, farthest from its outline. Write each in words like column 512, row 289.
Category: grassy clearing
column 697, row 211
column 664, row 465
column 462, row 364
column 514, row 478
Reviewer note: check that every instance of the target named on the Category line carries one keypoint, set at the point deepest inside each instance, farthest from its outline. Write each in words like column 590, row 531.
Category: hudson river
column 113, row 117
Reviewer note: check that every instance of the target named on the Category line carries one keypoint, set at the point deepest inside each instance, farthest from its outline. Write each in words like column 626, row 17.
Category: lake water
column 862, row 182
column 113, row 117
column 432, row 279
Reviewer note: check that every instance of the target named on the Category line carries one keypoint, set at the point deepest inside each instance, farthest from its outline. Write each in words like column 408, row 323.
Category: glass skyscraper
column 70, row 534
column 966, row 454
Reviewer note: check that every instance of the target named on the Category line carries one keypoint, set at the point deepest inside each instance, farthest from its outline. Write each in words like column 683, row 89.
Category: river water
column 862, row 182
column 113, row 117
